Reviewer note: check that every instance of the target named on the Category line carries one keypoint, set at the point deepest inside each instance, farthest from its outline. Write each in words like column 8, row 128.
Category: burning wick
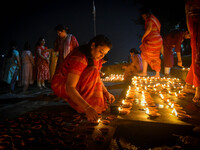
column 123, row 102
column 99, row 120
column 147, row 110
column 119, row 108
column 176, row 94
column 175, row 112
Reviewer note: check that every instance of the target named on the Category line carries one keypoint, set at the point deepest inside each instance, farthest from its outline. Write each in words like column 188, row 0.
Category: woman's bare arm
column 74, row 95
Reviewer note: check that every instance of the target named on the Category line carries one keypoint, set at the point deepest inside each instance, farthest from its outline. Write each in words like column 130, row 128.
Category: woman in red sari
column 42, row 63
column 78, row 80
column 192, row 8
column 151, row 44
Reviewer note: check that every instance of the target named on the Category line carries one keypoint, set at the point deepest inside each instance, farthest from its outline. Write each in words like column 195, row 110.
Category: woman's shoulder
column 72, row 36
column 138, row 56
column 28, row 52
column 16, row 52
column 78, row 54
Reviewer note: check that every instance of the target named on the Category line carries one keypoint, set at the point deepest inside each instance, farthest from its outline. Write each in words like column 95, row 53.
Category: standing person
column 135, row 67
column 42, row 63
column 64, row 43
column 78, row 79
column 27, row 66
column 13, row 66
column 192, row 8
column 170, row 41
column 151, row 43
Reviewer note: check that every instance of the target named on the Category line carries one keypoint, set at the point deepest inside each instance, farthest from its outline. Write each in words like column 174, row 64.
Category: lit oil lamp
column 174, row 112
column 123, row 111
column 126, row 104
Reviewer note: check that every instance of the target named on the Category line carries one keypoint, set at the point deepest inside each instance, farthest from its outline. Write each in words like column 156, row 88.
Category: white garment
column 67, row 45
column 167, row 70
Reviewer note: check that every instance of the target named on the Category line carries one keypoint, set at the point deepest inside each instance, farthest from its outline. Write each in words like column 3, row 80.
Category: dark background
column 118, row 19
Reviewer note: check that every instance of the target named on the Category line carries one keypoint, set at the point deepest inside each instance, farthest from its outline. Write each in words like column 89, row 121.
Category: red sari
column 152, row 44
column 89, row 85
column 193, row 21
column 42, row 65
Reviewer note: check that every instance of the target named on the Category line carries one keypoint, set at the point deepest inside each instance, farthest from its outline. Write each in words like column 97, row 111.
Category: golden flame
column 174, row 112
column 99, row 120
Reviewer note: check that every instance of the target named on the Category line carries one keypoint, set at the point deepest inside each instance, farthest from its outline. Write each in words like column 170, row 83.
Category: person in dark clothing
column 172, row 40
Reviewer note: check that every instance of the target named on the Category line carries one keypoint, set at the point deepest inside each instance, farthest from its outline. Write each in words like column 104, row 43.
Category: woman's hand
column 110, row 97
column 91, row 114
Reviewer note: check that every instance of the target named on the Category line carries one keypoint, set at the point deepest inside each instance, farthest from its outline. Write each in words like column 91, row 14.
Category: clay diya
column 106, row 122
column 100, row 139
column 111, row 117
column 90, row 129
column 80, row 137
column 104, row 130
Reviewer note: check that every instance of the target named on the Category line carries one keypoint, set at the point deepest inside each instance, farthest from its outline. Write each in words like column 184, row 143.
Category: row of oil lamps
column 114, row 77
column 163, row 87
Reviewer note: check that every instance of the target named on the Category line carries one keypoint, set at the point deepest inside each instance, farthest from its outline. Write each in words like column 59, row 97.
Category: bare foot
column 196, row 98
column 157, row 76
column 142, row 74
column 188, row 89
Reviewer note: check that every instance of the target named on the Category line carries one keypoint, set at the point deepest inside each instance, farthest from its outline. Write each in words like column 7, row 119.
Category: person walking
column 151, row 43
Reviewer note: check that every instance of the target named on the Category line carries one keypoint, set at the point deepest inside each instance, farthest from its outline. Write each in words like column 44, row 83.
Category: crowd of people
column 153, row 44
column 23, row 67
column 75, row 76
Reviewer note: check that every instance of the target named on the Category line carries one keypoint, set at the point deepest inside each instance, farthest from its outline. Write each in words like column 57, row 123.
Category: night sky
column 27, row 21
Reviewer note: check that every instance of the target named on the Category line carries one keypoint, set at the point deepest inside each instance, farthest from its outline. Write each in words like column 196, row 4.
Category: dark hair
column 99, row 40
column 13, row 45
column 27, row 46
column 61, row 27
column 134, row 50
column 39, row 41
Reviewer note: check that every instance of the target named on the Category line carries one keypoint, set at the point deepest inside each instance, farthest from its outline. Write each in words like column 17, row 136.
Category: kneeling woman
column 78, row 80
